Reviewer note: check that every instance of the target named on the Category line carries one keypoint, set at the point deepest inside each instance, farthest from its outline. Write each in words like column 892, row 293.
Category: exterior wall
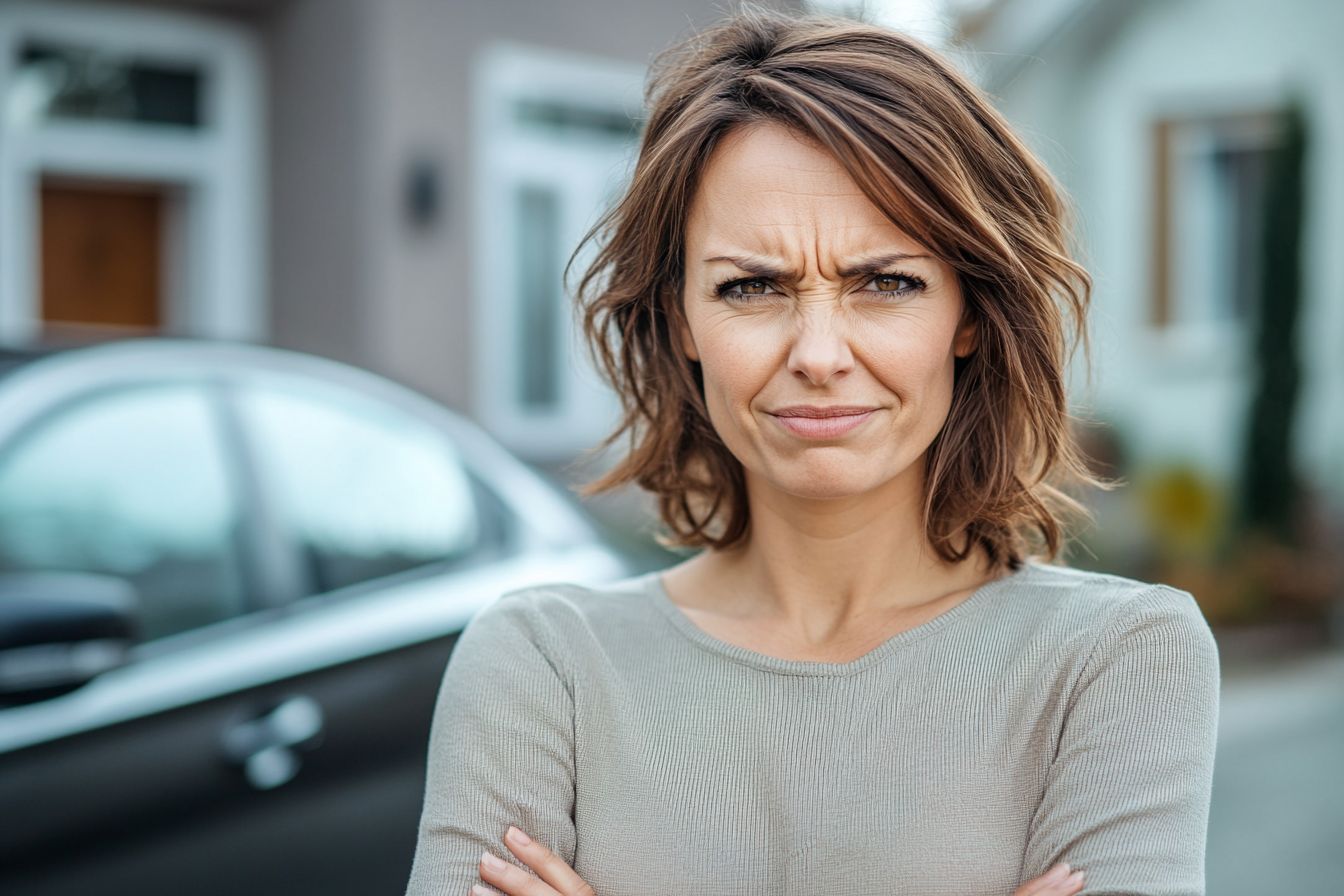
column 321, row 111
column 358, row 92
column 1089, row 102
column 363, row 90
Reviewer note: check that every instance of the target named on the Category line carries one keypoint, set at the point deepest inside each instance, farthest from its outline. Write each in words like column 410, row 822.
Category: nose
column 821, row 351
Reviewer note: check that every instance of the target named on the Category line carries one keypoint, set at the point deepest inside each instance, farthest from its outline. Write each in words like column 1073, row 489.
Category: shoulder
column 1104, row 616
column 553, row 618
column 1098, row 598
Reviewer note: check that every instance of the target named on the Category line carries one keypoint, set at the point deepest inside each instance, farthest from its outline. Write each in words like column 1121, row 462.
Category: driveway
column 1277, row 823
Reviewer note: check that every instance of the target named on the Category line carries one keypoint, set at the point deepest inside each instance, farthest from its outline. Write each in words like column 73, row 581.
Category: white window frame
column 215, row 240
column 508, row 156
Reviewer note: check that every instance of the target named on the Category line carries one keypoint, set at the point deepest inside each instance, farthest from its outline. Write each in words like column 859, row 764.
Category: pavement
column 1277, row 819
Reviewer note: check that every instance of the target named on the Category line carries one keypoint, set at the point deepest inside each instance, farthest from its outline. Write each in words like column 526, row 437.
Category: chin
column 827, row 484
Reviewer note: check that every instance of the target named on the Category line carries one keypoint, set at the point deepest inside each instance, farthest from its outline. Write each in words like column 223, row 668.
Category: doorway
column 132, row 161
column 102, row 259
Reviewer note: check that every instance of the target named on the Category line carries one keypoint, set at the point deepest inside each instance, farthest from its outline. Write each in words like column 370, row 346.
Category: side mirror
column 60, row 630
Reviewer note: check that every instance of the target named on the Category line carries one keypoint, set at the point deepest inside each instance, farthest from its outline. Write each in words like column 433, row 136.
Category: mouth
column 813, row 422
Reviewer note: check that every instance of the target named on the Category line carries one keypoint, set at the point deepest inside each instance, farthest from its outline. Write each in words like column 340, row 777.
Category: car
column 230, row 580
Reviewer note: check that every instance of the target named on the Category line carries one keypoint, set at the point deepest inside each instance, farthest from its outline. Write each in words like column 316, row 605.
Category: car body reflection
column 301, row 542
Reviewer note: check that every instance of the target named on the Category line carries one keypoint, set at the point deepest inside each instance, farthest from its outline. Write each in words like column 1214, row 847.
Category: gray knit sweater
column 1054, row 715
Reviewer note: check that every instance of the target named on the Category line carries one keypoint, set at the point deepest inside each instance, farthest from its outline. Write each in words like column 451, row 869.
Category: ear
column 687, row 343
column 968, row 335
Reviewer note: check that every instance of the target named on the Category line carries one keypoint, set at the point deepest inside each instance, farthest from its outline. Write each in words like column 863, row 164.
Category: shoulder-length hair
column 928, row 149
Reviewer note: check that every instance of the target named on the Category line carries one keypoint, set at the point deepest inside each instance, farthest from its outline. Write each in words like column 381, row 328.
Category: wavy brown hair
column 928, row 149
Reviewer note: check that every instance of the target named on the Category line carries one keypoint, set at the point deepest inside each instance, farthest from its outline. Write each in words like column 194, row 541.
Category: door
column 557, row 138
column 101, row 258
column 135, row 483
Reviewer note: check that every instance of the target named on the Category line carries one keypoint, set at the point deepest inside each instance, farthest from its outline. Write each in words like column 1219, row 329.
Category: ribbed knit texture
column 1054, row 715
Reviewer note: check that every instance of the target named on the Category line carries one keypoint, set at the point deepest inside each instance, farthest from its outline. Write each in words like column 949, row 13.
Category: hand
column 554, row 877
column 1058, row 881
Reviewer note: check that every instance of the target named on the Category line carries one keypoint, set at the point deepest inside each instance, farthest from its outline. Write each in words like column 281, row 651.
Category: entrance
column 101, row 259
column 132, row 196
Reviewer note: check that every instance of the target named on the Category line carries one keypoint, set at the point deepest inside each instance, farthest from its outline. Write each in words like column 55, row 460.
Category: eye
column 753, row 287
column 896, row 284
column 738, row 289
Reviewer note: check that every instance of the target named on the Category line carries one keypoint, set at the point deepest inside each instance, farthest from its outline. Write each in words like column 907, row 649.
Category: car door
column 133, row 482
column 252, row 746
column 385, row 522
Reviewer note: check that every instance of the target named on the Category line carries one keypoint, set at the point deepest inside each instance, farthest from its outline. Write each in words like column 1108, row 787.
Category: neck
column 821, row 566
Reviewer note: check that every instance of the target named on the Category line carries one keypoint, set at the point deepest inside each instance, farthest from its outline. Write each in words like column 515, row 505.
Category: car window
column 134, row 484
column 365, row 489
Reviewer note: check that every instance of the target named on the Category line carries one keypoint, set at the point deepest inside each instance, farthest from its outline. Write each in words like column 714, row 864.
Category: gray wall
column 320, row 116
column 363, row 87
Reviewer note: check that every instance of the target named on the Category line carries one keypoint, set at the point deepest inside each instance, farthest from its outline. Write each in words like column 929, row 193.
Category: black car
column 230, row 580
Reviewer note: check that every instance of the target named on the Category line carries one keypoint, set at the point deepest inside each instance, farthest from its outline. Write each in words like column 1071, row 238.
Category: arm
column 501, row 752
column 555, row 878
column 1127, row 795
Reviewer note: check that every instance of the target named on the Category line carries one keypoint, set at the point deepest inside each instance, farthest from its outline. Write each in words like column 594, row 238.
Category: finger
column 1060, row 880
column 548, row 866
column 1048, row 879
column 510, row 879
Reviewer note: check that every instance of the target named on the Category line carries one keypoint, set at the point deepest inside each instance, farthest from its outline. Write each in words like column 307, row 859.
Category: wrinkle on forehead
column 771, row 193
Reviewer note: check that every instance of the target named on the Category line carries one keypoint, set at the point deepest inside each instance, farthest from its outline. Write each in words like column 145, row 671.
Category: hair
column 927, row 149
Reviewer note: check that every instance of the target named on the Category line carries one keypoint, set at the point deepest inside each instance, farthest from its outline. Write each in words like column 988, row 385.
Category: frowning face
column 827, row 337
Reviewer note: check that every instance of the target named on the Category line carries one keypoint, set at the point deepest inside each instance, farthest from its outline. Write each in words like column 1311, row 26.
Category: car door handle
column 267, row 746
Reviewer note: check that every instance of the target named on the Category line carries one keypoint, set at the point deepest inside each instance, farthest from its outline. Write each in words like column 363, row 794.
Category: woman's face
column 826, row 335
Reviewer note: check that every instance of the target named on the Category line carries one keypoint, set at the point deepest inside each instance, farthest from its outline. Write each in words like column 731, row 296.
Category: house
column 1163, row 120
column 393, row 183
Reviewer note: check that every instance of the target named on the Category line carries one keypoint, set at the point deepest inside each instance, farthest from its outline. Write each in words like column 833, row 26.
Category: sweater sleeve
column 1127, row 794
column 501, row 752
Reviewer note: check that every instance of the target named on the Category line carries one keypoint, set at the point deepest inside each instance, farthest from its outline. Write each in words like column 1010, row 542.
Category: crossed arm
column 555, row 878
column 1126, row 796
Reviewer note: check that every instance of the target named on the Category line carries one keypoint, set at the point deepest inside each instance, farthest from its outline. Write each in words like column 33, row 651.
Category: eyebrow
column 876, row 264
column 760, row 268
column 755, row 266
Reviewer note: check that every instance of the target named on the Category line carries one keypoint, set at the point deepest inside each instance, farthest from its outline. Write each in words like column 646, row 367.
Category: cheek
column 737, row 356
column 914, row 360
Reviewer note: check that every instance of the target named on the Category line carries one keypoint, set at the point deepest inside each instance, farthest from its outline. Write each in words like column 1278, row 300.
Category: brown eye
column 752, row 287
column 896, row 284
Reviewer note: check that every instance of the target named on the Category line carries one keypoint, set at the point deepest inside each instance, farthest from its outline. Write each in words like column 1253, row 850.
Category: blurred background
column 397, row 185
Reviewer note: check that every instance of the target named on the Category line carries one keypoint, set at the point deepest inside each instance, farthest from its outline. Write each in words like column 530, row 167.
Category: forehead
column 772, row 189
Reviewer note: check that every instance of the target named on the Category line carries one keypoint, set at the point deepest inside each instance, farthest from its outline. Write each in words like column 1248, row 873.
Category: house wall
column 321, row 106
column 363, row 89
column 1088, row 101
column 357, row 93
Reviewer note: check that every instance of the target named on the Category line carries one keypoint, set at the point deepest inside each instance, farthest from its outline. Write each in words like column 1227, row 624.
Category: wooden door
column 102, row 258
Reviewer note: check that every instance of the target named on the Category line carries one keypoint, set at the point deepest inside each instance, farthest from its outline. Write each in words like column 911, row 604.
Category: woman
column 835, row 301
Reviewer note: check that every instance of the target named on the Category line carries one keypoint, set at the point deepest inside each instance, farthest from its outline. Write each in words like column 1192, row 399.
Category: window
column 539, row 297
column 80, row 82
column 557, row 137
column 132, row 484
column 1209, row 209
column 363, row 489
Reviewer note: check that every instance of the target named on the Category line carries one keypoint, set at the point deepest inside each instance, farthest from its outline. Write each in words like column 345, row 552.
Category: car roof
column 48, row 376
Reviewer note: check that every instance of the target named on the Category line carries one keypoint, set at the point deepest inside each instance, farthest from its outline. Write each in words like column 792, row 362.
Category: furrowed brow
column 876, row 264
column 756, row 267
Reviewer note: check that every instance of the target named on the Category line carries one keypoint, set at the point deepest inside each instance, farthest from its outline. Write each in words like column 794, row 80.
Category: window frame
column 211, row 393
column 278, row 556
column 544, row 121
column 1252, row 128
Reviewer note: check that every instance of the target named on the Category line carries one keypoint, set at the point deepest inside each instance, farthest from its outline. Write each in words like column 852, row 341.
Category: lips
column 813, row 422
